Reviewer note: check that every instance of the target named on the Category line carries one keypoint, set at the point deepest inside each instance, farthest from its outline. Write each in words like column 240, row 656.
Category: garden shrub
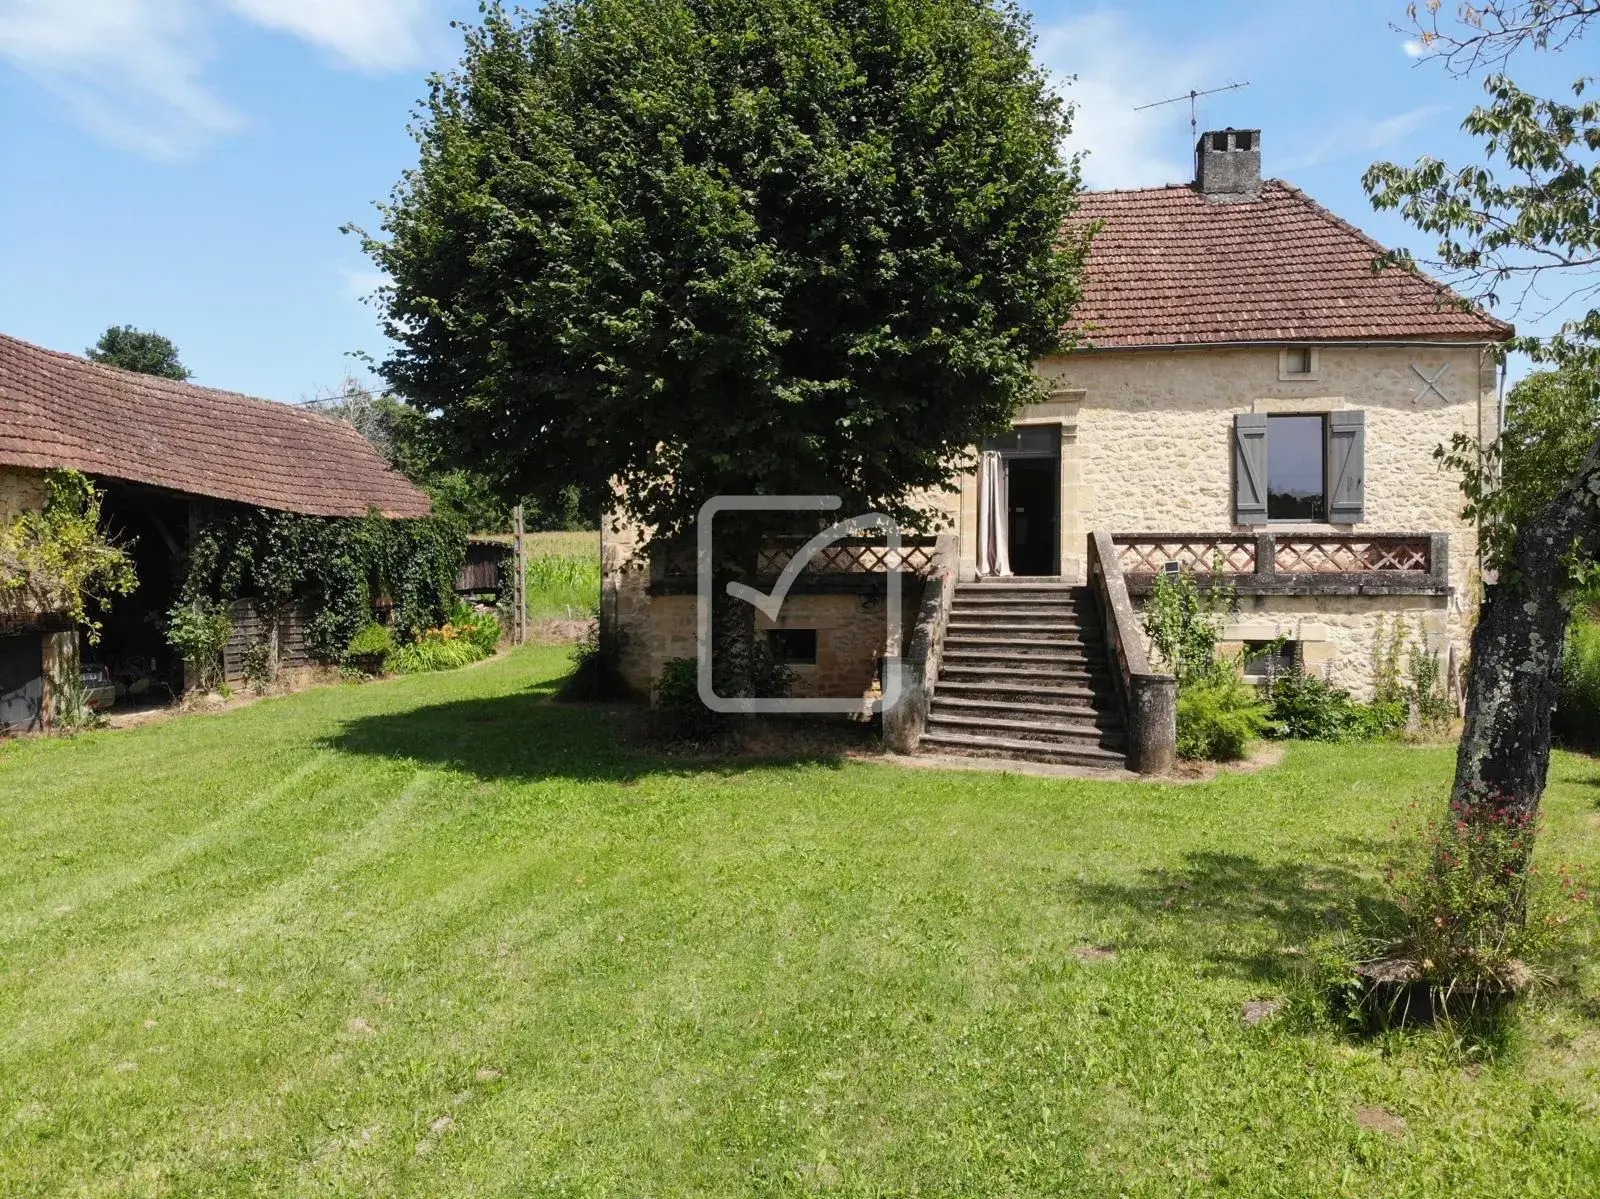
column 596, row 666
column 436, row 649
column 375, row 638
column 371, row 648
column 1577, row 718
column 1184, row 623
column 1219, row 716
column 1305, row 707
column 480, row 627
column 199, row 630
column 259, row 668
column 1426, row 690
column 679, row 710
column 1465, row 906
column 57, row 558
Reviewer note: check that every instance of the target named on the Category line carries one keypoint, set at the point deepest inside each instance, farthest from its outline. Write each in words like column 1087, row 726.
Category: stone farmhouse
column 1250, row 395
column 164, row 454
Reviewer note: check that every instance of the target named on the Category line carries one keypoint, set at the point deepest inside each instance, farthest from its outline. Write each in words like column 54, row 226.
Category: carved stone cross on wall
column 1429, row 384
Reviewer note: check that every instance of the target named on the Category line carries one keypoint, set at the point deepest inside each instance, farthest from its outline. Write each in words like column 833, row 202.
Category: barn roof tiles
column 1170, row 267
column 57, row 410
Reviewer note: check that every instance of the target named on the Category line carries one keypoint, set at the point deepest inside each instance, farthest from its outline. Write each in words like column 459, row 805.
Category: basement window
column 1265, row 661
column 793, row 647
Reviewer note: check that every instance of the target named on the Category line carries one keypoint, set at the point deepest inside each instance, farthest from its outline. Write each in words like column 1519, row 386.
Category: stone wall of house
column 21, row 489
column 1147, row 447
column 852, row 629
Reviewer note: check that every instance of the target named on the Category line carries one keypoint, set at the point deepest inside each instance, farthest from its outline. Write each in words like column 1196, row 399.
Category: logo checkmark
column 771, row 603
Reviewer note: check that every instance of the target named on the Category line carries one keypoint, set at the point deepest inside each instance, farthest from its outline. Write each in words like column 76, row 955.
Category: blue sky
column 185, row 165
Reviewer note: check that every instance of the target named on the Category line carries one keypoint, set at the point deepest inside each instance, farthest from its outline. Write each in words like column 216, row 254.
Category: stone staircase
column 1024, row 675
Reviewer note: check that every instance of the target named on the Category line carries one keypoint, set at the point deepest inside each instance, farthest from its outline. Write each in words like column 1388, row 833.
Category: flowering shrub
column 468, row 636
column 1468, row 924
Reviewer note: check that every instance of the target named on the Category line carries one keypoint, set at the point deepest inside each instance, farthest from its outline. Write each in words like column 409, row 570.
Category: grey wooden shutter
column 1250, row 469
column 1347, row 467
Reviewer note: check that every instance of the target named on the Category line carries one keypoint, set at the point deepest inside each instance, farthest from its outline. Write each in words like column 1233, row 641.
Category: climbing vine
column 57, row 558
column 333, row 567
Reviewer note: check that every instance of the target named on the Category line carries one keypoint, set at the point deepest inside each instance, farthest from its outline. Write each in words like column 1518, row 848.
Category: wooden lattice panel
column 849, row 557
column 1350, row 555
column 1234, row 556
column 840, row 558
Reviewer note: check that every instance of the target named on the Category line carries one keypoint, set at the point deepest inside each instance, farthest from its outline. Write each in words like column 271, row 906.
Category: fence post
column 519, row 589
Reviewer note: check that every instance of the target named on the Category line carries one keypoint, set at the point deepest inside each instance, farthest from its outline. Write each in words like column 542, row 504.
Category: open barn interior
column 131, row 661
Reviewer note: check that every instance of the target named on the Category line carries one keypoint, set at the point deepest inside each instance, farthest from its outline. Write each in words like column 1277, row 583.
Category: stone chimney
column 1227, row 165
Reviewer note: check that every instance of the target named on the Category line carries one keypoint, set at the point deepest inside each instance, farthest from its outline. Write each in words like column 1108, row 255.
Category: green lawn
column 438, row 936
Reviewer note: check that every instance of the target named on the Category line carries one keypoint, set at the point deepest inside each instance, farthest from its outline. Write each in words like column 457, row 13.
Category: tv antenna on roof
column 1191, row 95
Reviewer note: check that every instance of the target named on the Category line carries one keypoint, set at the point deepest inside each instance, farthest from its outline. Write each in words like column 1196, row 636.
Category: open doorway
column 1034, row 499
column 1032, row 459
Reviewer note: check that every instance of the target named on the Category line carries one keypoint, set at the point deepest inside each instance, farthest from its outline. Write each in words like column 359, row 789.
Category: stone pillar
column 1153, row 703
column 60, row 660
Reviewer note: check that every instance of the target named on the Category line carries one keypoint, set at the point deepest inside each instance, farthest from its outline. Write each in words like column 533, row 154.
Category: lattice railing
column 1284, row 561
column 1207, row 555
column 849, row 556
column 1350, row 555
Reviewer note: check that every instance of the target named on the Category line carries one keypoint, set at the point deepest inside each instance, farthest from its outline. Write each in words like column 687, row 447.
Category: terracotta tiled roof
column 1169, row 268
column 60, row 411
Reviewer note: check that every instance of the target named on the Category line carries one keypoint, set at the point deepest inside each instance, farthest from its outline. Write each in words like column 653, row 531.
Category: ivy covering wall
column 334, row 568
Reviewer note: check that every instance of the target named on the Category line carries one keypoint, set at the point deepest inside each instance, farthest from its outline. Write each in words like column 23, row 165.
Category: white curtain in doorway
column 994, row 556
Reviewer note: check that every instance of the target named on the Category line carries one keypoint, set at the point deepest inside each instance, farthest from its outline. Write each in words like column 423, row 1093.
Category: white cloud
column 371, row 35
column 1118, row 69
column 1363, row 136
column 131, row 70
column 1412, row 47
column 134, row 71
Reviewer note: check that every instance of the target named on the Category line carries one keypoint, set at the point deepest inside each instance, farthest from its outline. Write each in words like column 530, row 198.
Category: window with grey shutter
column 1347, row 467
column 1250, row 468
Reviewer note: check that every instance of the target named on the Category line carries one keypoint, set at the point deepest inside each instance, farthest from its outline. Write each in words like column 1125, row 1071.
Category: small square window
column 1268, row 660
column 1298, row 361
column 793, row 647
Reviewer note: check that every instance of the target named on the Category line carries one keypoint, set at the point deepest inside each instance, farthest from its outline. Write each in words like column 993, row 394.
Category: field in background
column 443, row 936
column 563, row 575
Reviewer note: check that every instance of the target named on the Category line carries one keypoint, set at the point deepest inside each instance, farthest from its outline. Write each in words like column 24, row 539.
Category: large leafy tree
column 707, row 247
column 1513, row 229
column 138, row 350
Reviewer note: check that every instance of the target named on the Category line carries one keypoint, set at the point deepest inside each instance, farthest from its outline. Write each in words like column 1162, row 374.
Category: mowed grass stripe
column 487, row 951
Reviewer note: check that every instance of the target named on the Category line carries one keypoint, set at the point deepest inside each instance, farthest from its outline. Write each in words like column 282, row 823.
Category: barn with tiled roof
column 58, row 410
column 165, row 454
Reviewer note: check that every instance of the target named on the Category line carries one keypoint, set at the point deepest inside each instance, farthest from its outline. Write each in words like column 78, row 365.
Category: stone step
column 1023, row 693
column 1066, row 655
column 1064, row 731
column 1022, row 582
column 1020, row 599
column 990, row 675
column 966, row 643
column 1019, row 624
column 1081, row 709
column 967, row 745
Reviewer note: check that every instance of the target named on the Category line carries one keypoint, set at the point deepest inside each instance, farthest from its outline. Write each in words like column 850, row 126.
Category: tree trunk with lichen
column 1516, row 657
